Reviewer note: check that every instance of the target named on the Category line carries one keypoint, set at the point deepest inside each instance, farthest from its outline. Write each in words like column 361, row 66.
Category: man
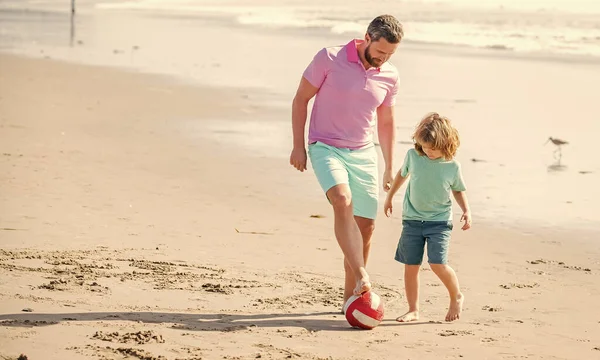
column 353, row 85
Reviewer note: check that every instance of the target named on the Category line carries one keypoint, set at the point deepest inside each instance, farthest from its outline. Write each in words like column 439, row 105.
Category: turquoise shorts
column 356, row 168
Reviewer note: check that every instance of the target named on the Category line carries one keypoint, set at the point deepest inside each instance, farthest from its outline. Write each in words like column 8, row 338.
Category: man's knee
column 367, row 227
column 367, row 230
column 340, row 197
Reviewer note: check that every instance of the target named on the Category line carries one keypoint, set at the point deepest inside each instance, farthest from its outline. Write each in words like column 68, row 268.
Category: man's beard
column 369, row 58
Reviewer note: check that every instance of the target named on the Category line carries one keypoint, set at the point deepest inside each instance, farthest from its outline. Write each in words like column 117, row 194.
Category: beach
column 148, row 210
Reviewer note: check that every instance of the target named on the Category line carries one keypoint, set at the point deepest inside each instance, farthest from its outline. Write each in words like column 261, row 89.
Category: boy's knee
column 409, row 268
column 438, row 267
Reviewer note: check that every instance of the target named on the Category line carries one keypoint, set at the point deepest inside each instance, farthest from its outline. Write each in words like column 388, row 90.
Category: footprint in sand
column 519, row 286
column 488, row 340
column 560, row 263
column 456, row 333
column 140, row 337
column 491, row 309
column 122, row 351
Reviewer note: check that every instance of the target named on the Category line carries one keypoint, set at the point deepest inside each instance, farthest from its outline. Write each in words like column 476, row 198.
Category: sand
column 127, row 235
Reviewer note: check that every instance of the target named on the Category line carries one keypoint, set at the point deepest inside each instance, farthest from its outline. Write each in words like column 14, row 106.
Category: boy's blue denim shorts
column 416, row 233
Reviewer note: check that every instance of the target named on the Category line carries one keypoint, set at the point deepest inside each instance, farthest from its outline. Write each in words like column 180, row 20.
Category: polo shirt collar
column 352, row 53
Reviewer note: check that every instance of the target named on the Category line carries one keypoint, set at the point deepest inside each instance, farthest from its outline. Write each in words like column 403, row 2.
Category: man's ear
column 367, row 38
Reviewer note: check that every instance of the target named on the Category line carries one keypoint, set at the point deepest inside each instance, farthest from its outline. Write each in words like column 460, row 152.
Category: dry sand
column 123, row 238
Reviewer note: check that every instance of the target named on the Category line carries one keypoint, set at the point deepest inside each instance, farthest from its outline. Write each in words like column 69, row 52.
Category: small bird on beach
column 558, row 143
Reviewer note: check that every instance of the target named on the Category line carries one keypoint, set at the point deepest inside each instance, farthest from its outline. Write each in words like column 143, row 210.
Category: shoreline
column 270, row 113
column 307, row 21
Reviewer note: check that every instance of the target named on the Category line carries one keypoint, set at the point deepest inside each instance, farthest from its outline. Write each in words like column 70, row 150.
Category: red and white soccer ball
column 365, row 311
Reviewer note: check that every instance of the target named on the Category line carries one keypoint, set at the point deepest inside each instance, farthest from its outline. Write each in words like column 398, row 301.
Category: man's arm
column 305, row 92
column 386, row 132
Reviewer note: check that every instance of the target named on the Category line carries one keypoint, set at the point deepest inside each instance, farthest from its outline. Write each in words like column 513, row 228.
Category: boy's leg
column 410, row 253
column 438, row 241
column 450, row 280
column 411, row 286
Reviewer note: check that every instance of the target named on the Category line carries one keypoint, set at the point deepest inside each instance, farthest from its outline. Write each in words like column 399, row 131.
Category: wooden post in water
column 72, row 22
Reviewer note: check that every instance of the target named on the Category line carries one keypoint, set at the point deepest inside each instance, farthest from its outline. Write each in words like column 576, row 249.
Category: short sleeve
column 317, row 70
column 406, row 166
column 458, row 184
column 390, row 98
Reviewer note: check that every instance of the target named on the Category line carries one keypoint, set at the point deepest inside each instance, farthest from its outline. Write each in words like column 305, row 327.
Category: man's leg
column 348, row 235
column 331, row 168
column 363, row 183
column 366, row 227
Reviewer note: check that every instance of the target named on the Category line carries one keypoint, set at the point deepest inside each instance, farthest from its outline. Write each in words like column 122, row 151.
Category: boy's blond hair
column 437, row 131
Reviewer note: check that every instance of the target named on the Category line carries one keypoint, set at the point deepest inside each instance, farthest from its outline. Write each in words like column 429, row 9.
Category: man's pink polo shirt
column 345, row 106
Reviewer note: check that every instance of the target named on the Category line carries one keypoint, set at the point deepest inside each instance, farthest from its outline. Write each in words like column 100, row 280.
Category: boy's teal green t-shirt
column 429, row 189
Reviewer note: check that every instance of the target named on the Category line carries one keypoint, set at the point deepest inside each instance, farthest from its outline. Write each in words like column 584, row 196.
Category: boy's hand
column 466, row 217
column 388, row 179
column 387, row 207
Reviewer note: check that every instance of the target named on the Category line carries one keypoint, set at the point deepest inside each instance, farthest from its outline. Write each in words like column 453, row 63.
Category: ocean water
column 553, row 26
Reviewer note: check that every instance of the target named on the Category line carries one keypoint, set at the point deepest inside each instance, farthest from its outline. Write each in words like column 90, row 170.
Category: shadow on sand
column 316, row 321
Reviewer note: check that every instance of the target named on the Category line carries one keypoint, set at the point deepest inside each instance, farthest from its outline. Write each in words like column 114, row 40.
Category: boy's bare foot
column 408, row 317
column 362, row 286
column 455, row 308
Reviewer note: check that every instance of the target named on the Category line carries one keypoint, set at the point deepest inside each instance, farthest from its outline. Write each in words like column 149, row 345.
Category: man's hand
column 466, row 217
column 298, row 158
column 388, row 179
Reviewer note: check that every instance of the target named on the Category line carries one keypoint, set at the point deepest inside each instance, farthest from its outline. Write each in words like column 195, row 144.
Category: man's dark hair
column 387, row 27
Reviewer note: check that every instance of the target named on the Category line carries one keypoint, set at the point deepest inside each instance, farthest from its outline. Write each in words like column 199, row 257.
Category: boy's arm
column 396, row 184
column 461, row 200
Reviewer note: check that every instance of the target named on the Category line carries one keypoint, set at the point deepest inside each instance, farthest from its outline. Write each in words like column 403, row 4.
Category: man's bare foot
column 455, row 308
column 408, row 317
column 362, row 286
